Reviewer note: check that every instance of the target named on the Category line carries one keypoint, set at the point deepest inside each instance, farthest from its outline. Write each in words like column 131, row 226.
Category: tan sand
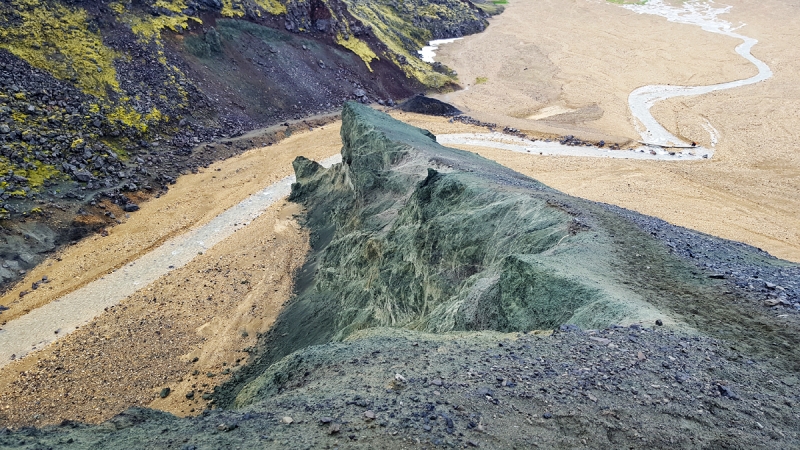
column 210, row 309
column 193, row 200
column 583, row 58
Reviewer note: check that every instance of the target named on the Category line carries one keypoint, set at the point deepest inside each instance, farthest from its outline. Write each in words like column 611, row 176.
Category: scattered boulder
column 421, row 104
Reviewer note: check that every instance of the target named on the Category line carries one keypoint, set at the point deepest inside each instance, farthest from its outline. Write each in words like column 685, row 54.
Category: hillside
column 105, row 103
column 449, row 301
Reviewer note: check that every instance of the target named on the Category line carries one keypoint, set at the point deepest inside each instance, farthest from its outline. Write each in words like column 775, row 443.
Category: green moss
column 43, row 172
column 491, row 8
column 397, row 32
column 57, row 38
column 481, row 80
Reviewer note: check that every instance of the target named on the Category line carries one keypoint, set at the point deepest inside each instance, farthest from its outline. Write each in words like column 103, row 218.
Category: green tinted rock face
column 437, row 239
column 409, row 234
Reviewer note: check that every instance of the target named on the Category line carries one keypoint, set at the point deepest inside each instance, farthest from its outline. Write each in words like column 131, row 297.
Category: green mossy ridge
column 407, row 233
column 416, row 250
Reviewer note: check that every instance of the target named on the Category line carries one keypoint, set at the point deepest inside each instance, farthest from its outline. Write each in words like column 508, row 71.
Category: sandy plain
column 552, row 67
column 585, row 56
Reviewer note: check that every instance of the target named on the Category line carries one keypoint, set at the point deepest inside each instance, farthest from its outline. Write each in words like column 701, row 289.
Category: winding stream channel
column 658, row 143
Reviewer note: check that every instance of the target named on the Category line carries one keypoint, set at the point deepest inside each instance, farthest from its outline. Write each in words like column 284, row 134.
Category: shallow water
column 555, row 148
column 706, row 16
column 60, row 317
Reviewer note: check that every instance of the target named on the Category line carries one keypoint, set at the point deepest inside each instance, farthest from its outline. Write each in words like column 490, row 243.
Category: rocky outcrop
column 421, row 104
column 407, row 233
column 449, row 301
column 432, row 238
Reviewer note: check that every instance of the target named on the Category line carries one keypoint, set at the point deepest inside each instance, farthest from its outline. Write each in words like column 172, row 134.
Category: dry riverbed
column 210, row 309
column 556, row 67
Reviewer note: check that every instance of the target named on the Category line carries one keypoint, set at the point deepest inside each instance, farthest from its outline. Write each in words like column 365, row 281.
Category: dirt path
column 58, row 318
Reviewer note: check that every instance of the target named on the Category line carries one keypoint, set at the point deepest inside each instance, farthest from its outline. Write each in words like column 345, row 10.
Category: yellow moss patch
column 174, row 6
column 117, row 7
column 154, row 116
column 77, row 142
column 127, row 116
column 57, row 39
column 232, row 8
column 36, row 177
column 151, row 28
column 358, row 47
column 273, row 7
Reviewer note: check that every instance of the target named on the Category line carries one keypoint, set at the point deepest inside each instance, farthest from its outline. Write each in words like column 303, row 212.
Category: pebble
column 726, row 391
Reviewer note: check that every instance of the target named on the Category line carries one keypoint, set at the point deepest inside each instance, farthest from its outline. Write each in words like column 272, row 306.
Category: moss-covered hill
column 100, row 98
